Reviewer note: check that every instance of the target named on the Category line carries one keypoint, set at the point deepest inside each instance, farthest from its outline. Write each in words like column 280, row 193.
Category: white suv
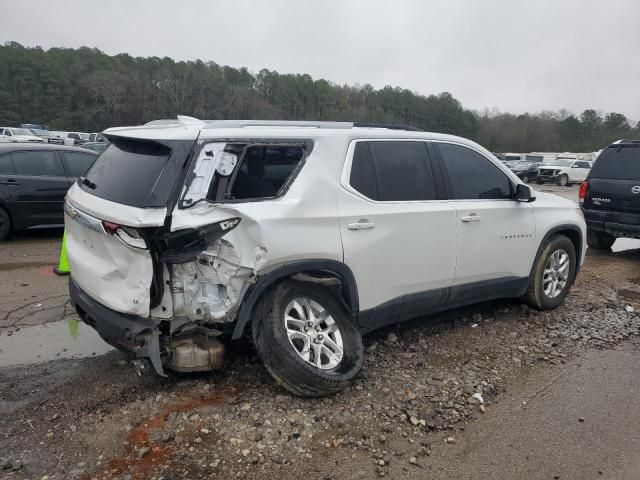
column 564, row 171
column 184, row 236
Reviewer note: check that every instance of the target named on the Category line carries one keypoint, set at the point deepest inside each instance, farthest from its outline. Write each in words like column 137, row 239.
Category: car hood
column 27, row 138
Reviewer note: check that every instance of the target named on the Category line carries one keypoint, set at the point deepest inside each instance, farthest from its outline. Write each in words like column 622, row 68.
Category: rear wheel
column 306, row 341
column 525, row 178
column 5, row 224
column 599, row 240
column 539, row 182
column 562, row 180
column 553, row 274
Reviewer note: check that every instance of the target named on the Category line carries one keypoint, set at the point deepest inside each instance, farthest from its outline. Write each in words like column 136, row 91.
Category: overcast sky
column 514, row 55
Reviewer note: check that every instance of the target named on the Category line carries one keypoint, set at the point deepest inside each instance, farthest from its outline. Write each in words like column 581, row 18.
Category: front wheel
column 525, row 178
column 599, row 240
column 306, row 341
column 562, row 180
column 553, row 274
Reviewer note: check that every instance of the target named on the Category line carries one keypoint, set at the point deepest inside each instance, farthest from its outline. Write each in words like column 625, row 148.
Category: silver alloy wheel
column 556, row 273
column 313, row 333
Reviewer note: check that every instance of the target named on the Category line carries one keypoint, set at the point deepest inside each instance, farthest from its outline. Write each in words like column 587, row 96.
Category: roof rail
column 389, row 126
column 274, row 123
column 184, row 120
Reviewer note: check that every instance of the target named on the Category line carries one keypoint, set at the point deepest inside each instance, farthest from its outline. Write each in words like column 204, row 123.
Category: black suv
column 610, row 197
column 34, row 179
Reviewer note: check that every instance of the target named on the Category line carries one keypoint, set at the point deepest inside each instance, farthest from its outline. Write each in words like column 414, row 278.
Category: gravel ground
column 422, row 384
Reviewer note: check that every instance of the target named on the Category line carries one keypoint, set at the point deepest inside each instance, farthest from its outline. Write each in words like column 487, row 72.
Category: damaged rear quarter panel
column 302, row 224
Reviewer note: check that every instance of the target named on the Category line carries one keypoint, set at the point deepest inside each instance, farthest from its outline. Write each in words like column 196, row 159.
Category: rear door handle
column 10, row 183
column 361, row 225
column 472, row 217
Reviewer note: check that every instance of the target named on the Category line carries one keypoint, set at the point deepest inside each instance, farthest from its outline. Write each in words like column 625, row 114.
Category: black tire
column 562, row 180
column 282, row 360
column 5, row 224
column 539, row 182
column 599, row 240
column 536, row 296
column 525, row 178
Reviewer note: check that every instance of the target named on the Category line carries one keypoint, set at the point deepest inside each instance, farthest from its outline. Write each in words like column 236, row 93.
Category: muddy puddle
column 42, row 343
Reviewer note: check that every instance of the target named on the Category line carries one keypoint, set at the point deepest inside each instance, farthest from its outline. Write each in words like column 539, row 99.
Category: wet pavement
column 42, row 343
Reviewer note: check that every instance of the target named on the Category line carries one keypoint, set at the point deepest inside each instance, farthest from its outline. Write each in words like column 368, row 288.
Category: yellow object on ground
column 63, row 266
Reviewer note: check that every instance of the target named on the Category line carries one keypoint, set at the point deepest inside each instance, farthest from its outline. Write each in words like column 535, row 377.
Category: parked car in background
column 526, row 171
column 610, row 196
column 307, row 234
column 98, row 147
column 97, row 137
column 76, row 138
column 564, row 172
column 34, row 178
column 16, row 135
column 48, row 136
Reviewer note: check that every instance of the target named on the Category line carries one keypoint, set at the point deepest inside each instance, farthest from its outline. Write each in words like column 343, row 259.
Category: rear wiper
column 88, row 183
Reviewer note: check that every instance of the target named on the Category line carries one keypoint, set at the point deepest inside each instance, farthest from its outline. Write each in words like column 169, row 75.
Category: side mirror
column 524, row 193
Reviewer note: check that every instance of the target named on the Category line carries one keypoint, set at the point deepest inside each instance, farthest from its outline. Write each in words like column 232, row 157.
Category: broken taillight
column 127, row 235
column 582, row 193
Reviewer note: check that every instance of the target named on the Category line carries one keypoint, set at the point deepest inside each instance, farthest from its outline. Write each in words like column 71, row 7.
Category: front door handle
column 472, row 217
column 361, row 225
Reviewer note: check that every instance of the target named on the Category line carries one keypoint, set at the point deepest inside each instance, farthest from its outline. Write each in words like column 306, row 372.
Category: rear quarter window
column 618, row 163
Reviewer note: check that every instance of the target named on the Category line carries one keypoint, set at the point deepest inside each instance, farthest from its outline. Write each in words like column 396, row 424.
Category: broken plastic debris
column 629, row 309
column 475, row 325
column 478, row 396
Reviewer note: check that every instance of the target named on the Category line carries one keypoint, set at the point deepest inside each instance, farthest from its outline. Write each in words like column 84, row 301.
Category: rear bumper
column 132, row 334
column 617, row 224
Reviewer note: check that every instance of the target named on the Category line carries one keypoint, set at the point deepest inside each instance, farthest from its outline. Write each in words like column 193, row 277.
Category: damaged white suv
column 185, row 235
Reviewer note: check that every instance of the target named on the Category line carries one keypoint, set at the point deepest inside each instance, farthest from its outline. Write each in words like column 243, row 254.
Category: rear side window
column 76, row 163
column 471, row 175
column 618, row 163
column 127, row 172
column 5, row 164
column 37, row 163
column 264, row 170
column 390, row 171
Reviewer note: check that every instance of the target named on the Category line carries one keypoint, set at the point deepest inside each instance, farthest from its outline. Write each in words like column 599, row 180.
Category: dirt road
column 441, row 397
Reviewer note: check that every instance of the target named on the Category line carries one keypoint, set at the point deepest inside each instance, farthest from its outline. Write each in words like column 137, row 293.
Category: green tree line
column 85, row 89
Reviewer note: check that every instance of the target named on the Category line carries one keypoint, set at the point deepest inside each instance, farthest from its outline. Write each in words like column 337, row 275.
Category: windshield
column 21, row 131
column 40, row 133
column 562, row 163
column 84, row 136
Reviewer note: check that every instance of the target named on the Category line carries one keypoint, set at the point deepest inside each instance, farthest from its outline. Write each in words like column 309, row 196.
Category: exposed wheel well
column 336, row 276
column 576, row 238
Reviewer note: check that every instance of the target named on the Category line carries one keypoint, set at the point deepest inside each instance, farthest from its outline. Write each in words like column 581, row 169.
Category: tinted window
column 392, row 171
column 127, row 172
column 583, row 165
column 37, row 163
column 473, row 176
column 264, row 170
column 76, row 163
column 618, row 163
column 5, row 164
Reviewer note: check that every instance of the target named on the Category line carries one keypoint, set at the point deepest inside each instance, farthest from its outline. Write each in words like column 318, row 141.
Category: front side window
column 471, row 175
column 38, row 163
column 392, row 171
